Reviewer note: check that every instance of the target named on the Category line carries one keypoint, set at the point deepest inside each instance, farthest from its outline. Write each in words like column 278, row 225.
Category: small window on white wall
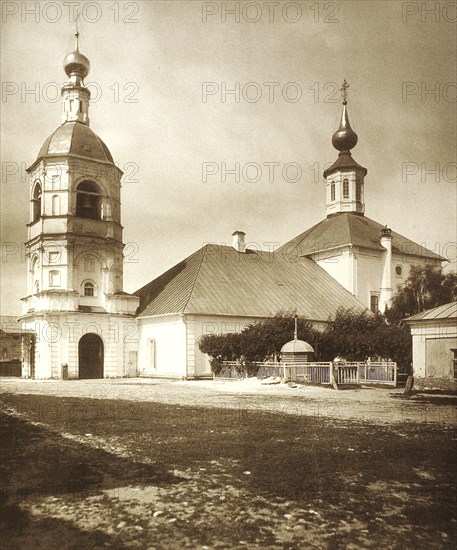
column 89, row 288
column 398, row 270
column 374, row 303
column 345, row 188
column 54, row 278
column 332, row 191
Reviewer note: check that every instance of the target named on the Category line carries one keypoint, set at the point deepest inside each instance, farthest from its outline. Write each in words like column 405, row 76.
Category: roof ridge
column 204, row 250
column 420, row 245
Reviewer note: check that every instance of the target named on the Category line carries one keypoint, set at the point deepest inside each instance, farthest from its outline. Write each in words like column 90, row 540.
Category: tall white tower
column 83, row 321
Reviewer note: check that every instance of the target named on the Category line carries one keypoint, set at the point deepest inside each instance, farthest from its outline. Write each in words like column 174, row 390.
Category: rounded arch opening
column 88, row 200
column 36, row 202
column 90, row 356
column 34, row 274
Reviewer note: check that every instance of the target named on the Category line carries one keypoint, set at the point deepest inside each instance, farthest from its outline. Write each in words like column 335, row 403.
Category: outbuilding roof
column 218, row 280
column 446, row 311
column 297, row 346
column 348, row 228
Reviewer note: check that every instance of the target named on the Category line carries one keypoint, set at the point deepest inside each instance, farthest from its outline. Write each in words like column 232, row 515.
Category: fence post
column 333, row 376
column 358, row 374
column 395, row 374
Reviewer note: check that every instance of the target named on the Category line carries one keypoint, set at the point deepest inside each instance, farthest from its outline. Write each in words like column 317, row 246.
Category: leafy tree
column 426, row 287
column 266, row 338
column 353, row 335
column 221, row 347
column 257, row 341
column 357, row 336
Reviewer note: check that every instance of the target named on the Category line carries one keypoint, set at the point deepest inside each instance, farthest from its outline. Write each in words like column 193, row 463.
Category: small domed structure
column 297, row 346
column 75, row 63
column 296, row 351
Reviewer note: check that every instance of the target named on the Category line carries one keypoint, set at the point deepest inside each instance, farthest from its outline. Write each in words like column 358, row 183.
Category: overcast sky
column 149, row 65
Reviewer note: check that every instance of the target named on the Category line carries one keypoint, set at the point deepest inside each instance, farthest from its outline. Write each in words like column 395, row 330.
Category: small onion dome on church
column 74, row 138
column 75, row 63
column 344, row 139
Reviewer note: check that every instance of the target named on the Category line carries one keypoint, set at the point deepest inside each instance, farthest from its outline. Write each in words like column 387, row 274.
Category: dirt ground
column 161, row 464
column 377, row 405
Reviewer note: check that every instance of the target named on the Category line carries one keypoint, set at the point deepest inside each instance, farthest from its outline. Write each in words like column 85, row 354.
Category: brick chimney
column 238, row 241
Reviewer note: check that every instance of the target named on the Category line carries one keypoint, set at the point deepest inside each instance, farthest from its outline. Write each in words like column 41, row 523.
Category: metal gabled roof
column 218, row 280
column 352, row 229
column 446, row 311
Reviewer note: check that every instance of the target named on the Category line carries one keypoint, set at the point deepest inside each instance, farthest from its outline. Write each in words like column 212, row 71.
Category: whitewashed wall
column 168, row 332
column 432, row 355
column 57, row 339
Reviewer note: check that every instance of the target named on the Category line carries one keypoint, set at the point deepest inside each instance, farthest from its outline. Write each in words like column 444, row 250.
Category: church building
column 84, row 326
column 368, row 259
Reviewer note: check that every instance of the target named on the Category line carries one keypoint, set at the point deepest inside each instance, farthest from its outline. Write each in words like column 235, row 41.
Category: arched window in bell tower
column 36, row 202
column 88, row 200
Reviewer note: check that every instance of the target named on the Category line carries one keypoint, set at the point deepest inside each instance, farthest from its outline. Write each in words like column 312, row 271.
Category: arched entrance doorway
column 90, row 356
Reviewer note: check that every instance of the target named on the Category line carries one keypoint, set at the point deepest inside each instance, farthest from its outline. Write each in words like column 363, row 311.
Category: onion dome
column 344, row 138
column 75, row 63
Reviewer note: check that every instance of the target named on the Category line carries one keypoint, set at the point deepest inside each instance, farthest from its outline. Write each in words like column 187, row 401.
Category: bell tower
column 345, row 178
column 74, row 250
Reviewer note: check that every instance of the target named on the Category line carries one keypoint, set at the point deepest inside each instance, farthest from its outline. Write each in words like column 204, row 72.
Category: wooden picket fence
column 380, row 372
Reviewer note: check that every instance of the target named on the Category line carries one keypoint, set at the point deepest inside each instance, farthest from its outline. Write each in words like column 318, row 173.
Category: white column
column 386, row 284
